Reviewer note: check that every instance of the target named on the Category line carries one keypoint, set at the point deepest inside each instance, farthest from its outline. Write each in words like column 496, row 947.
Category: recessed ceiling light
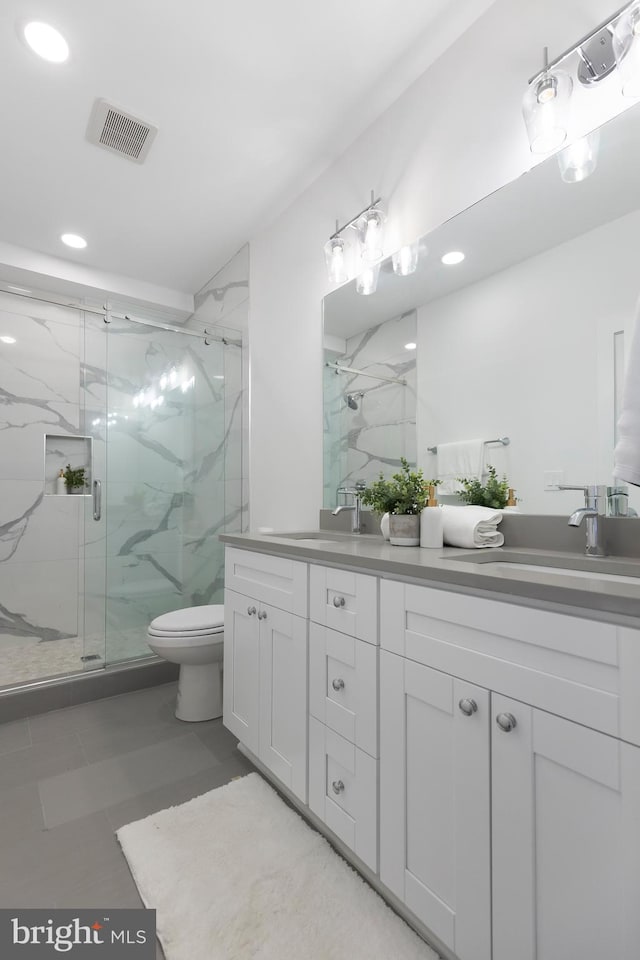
column 8, row 339
column 455, row 256
column 410, row 346
column 46, row 41
column 73, row 240
column 17, row 289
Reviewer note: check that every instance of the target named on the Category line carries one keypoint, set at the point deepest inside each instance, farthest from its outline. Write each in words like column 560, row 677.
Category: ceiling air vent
column 119, row 131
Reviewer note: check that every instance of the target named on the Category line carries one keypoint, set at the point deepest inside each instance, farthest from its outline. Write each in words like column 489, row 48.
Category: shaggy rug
column 236, row 874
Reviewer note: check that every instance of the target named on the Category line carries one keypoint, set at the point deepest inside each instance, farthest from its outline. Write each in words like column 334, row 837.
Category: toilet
column 193, row 638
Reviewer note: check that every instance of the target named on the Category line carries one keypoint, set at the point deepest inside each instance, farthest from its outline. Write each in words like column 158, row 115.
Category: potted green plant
column 494, row 493
column 403, row 497
column 75, row 479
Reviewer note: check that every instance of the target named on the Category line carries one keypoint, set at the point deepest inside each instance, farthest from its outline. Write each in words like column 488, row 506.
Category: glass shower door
column 163, row 492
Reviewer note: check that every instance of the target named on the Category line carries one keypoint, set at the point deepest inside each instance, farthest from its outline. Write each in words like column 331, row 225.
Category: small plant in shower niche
column 494, row 493
column 75, row 479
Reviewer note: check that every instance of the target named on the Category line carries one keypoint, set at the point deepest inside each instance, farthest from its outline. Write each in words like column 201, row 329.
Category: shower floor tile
column 25, row 660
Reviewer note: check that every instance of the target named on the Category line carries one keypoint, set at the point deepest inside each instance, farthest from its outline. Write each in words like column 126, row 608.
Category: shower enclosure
column 152, row 415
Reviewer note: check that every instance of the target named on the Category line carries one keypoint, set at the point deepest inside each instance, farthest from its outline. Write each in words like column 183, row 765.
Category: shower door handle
column 97, row 499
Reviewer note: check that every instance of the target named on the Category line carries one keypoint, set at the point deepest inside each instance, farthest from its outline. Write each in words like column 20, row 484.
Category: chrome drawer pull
column 468, row 707
column 506, row 721
column 337, row 786
column 339, row 601
column 262, row 615
column 251, row 611
column 338, row 684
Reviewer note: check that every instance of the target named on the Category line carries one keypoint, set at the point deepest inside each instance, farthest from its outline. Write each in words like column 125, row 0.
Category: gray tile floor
column 69, row 779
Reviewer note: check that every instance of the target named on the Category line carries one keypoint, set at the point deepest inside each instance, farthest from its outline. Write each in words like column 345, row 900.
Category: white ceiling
column 252, row 100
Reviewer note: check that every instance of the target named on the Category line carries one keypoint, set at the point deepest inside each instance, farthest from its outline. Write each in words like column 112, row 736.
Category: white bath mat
column 237, row 875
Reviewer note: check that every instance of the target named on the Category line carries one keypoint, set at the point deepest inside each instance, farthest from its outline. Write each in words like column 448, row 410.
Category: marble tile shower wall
column 159, row 400
column 359, row 443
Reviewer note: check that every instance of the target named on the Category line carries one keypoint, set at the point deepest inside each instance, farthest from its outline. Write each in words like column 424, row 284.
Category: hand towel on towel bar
column 626, row 456
column 471, row 526
column 462, row 459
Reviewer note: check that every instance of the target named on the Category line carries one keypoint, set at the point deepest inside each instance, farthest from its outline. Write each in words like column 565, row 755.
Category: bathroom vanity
column 468, row 730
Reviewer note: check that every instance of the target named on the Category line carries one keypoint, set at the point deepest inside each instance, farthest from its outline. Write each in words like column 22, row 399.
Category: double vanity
column 465, row 726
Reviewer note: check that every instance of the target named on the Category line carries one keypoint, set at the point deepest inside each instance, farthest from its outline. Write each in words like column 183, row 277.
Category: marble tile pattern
column 359, row 443
column 162, row 411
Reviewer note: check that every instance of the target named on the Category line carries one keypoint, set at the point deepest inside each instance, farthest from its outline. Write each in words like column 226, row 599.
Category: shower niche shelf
column 60, row 451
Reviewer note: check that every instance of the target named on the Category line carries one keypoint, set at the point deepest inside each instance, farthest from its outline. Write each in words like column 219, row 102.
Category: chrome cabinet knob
column 338, row 684
column 506, row 721
column 339, row 601
column 262, row 615
column 337, row 786
column 468, row 707
column 251, row 611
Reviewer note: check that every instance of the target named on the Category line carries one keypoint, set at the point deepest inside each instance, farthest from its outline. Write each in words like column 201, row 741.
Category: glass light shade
column 367, row 279
column 546, row 111
column 405, row 260
column 370, row 228
column 579, row 159
column 335, row 251
column 626, row 47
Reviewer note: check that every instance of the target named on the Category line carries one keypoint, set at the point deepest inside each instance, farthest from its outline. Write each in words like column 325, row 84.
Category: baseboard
column 372, row 879
column 47, row 695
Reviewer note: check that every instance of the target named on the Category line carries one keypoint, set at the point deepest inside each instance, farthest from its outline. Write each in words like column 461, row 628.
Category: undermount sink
column 609, row 570
column 321, row 537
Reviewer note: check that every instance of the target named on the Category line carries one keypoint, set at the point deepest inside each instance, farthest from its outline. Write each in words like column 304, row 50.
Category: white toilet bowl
column 193, row 638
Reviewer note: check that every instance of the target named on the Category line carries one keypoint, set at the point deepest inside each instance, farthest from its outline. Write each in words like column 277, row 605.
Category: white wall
column 452, row 138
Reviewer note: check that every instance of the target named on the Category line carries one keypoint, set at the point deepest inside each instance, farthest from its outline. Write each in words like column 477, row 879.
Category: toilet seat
column 190, row 622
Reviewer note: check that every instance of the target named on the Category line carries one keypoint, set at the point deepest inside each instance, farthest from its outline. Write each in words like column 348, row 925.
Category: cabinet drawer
column 343, row 790
column 343, row 686
column 274, row 580
column 574, row 667
column 344, row 601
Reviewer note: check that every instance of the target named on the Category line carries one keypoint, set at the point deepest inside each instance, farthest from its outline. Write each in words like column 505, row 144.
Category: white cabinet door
column 283, row 697
column 241, row 680
column 566, row 839
column 434, row 802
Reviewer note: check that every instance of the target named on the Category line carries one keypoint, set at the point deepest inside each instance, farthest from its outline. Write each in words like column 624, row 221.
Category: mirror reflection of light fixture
column 405, row 260
column 580, row 158
column 626, row 48
column 546, row 108
column 367, row 279
column 369, row 226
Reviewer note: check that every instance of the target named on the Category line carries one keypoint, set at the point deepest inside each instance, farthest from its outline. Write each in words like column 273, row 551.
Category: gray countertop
column 451, row 568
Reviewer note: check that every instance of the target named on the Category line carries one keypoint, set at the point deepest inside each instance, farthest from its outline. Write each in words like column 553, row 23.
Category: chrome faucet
column 595, row 507
column 355, row 492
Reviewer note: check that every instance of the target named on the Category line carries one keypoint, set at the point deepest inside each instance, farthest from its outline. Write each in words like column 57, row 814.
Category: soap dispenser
column 61, row 486
column 512, row 503
column 431, row 523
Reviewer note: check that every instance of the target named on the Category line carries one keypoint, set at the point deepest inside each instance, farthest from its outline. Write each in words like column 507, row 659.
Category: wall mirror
column 525, row 338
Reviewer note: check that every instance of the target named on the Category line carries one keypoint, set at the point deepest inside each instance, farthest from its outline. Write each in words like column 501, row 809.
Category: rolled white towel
column 471, row 526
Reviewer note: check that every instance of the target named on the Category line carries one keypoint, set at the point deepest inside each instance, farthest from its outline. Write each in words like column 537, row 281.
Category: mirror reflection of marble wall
column 369, row 423
column 527, row 337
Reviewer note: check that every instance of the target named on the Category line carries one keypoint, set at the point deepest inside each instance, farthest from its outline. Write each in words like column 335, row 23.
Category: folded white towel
column 626, row 456
column 471, row 526
column 462, row 459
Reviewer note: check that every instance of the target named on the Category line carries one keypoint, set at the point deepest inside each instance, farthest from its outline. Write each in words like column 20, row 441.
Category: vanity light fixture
column 615, row 43
column 46, row 41
column 405, row 260
column 369, row 227
column 579, row 159
column 74, row 240
column 453, row 257
column 367, row 279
